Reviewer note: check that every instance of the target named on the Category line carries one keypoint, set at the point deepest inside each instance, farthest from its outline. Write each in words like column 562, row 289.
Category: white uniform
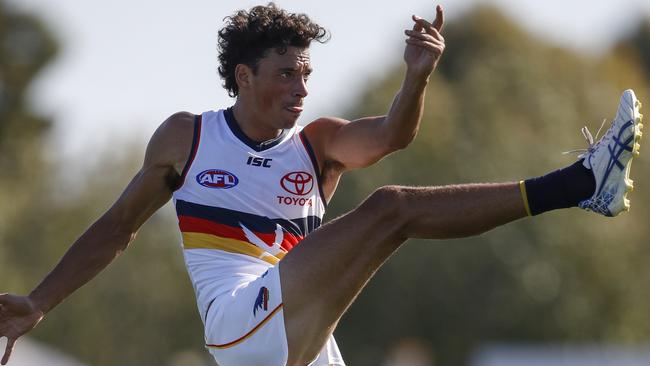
column 241, row 207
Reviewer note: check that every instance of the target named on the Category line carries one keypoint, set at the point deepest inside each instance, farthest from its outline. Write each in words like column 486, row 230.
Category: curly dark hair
column 249, row 35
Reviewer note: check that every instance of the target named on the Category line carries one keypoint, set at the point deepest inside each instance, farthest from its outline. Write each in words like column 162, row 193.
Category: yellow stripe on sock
column 524, row 197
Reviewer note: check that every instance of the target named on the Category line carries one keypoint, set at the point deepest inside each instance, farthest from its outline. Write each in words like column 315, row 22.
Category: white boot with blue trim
column 611, row 157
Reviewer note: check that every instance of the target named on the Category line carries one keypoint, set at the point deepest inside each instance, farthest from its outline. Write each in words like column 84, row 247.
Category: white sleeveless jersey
column 243, row 205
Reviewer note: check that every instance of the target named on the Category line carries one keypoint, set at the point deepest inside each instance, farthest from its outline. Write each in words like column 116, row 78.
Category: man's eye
column 285, row 75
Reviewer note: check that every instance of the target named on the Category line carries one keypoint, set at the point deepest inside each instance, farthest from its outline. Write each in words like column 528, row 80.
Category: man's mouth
column 294, row 109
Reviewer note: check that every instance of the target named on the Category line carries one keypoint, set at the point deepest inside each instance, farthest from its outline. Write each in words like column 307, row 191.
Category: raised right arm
column 167, row 153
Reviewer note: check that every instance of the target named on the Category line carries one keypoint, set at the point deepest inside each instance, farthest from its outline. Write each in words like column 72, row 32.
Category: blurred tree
column 25, row 46
column 639, row 42
column 142, row 311
column 501, row 107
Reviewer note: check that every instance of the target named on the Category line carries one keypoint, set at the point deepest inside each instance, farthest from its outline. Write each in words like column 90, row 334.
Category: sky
column 126, row 65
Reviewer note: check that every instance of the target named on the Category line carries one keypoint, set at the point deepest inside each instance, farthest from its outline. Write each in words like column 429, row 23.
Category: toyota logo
column 300, row 183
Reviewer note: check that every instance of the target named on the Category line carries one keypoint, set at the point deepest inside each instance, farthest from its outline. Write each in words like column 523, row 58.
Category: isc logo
column 217, row 178
column 257, row 161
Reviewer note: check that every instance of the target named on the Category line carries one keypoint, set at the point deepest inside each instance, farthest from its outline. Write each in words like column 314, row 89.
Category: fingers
column 417, row 27
column 423, row 36
column 8, row 349
column 428, row 28
column 436, row 49
column 425, row 40
column 440, row 19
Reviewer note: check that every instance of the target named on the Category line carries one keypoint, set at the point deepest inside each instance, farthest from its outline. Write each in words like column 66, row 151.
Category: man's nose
column 300, row 88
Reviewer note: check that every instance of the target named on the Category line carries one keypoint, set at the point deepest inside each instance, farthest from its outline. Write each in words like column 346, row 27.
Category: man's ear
column 243, row 76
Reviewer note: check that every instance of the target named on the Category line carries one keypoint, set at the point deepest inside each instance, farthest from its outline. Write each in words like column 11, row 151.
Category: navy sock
column 562, row 188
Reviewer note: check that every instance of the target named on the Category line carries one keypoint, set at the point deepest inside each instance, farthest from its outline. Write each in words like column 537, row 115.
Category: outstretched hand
column 18, row 315
column 425, row 44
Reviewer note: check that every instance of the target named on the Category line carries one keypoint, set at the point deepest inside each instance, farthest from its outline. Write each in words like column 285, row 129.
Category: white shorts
column 246, row 327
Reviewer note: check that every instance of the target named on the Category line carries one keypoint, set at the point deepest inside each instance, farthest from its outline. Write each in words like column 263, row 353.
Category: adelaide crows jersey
column 243, row 205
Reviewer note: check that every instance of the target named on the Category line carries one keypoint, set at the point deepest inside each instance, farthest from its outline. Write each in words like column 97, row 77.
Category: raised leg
column 322, row 276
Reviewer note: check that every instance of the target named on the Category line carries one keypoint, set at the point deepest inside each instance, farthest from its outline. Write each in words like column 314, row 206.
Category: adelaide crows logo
column 262, row 301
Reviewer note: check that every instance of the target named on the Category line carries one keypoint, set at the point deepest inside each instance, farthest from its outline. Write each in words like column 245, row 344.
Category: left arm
column 362, row 142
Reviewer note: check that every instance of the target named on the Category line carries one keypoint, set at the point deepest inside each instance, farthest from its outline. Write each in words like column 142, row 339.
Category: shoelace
column 590, row 140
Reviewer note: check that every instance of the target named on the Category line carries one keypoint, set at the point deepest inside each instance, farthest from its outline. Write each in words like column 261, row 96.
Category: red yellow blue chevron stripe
column 207, row 227
column 207, row 241
column 198, row 225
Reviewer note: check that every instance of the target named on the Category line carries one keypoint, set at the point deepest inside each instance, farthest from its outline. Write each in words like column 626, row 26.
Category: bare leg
column 322, row 276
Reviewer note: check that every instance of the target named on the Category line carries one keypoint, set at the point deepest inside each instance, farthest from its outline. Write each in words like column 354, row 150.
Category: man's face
column 279, row 86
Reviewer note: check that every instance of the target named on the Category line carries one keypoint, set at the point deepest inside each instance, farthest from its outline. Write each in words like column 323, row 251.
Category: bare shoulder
column 326, row 125
column 321, row 131
column 179, row 122
column 171, row 144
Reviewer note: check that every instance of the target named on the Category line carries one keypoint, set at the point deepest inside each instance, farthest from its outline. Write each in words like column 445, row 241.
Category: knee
column 386, row 203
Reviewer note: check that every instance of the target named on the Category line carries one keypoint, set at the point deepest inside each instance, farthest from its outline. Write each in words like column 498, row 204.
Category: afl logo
column 217, row 178
column 299, row 183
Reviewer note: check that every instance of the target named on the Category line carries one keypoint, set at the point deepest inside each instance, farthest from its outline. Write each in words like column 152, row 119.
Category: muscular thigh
column 321, row 277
